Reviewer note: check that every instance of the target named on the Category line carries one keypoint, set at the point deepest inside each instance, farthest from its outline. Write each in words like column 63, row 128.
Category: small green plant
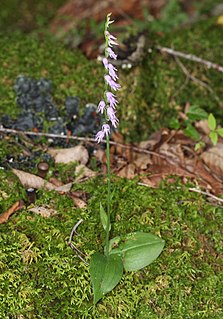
column 132, row 251
column 195, row 113
column 215, row 132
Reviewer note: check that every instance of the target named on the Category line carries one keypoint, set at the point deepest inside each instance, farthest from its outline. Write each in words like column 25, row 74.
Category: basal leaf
column 138, row 250
column 195, row 113
column 105, row 272
column 104, row 218
column 211, row 122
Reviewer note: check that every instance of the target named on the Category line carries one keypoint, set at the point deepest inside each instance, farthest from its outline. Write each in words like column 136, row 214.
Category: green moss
column 155, row 93
column 70, row 72
column 41, row 277
column 26, row 15
column 151, row 95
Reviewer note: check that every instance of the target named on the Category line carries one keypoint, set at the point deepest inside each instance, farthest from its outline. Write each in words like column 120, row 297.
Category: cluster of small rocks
column 35, row 99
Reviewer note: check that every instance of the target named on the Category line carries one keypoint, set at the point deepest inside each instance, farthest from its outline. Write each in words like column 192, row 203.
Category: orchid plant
column 132, row 251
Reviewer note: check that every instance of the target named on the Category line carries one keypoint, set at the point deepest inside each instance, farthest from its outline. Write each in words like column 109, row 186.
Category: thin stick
column 194, row 79
column 196, row 190
column 77, row 138
column 206, row 194
column 191, row 57
column 78, row 252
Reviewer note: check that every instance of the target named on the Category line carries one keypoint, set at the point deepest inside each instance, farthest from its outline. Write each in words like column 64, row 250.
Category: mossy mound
column 155, row 93
column 151, row 95
column 41, row 277
column 70, row 73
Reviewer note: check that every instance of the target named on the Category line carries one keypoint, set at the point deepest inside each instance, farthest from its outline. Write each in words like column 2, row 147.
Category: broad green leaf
column 104, row 218
column 190, row 131
column 105, row 272
column 138, row 250
column 174, row 124
column 220, row 131
column 214, row 137
column 196, row 113
column 211, row 122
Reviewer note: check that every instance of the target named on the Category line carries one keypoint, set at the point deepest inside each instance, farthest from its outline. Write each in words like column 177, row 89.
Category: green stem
column 108, row 195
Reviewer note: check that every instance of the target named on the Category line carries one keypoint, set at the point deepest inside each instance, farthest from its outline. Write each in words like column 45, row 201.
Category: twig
column 193, row 78
column 191, row 57
column 78, row 252
column 78, row 138
column 196, row 190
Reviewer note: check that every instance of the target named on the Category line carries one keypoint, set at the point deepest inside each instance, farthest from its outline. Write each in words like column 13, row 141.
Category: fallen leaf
column 213, row 158
column 142, row 161
column 34, row 181
column 15, row 207
column 128, row 171
column 44, row 211
column 55, row 181
column 66, row 155
column 202, row 126
column 83, row 171
column 80, row 203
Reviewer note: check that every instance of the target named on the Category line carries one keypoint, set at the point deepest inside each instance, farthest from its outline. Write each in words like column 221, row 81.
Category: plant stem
column 108, row 195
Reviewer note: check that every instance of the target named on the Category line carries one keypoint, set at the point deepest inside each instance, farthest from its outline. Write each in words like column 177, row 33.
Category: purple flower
column 111, row 99
column 112, row 117
column 111, row 70
column 99, row 136
column 115, row 86
column 111, row 39
column 106, row 129
column 105, row 62
column 111, row 53
column 101, row 106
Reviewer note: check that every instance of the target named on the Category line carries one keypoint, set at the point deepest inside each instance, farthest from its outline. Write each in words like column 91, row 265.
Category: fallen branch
column 191, row 57
column 78, row 138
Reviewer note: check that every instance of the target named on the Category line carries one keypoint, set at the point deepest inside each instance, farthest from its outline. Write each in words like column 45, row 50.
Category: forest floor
column 157, row 176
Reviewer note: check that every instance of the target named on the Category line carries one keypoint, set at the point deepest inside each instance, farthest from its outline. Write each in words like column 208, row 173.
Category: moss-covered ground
column 40, row 276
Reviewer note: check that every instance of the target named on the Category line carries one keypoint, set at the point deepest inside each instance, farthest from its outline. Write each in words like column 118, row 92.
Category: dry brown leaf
column 66, row 155
column 173, row 153
column 64, row 188
column 128, row 171
column 44, row 211
column 33, row 181
column 201, row 171
column 55, row 181
column 142, row 161
column 202, row 126
column 155, row 140
column 15, row 207
column 100, row 156
column 213, row 158
column 83, row 171
column 80, row 203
